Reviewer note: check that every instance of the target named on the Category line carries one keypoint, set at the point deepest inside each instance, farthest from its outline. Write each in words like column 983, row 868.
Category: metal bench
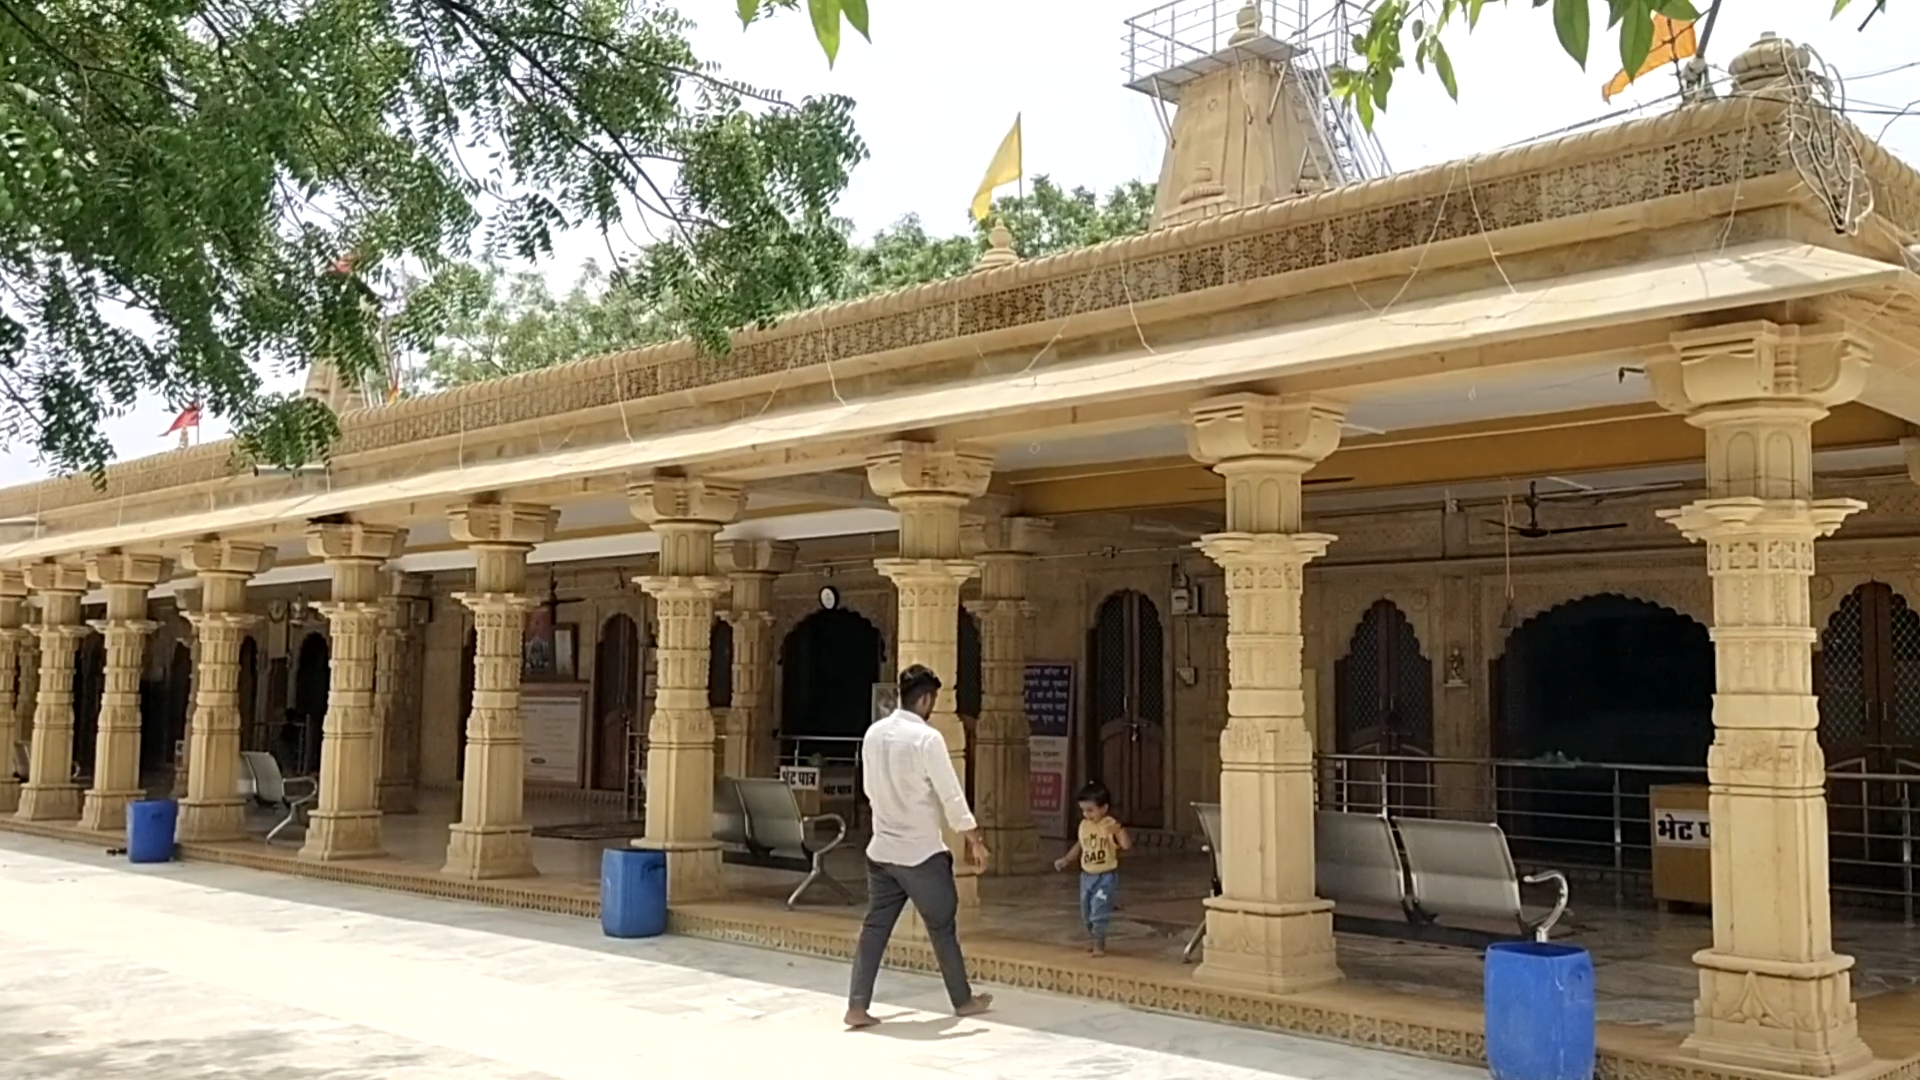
column 730, row 816
column 778, row 834
column 274, row 791
column 1209, row 815
column 1453, row 870
column 1464, row 870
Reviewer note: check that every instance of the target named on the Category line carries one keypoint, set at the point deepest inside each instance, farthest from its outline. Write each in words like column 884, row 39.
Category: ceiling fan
column 1533, row 530
column 553, row 603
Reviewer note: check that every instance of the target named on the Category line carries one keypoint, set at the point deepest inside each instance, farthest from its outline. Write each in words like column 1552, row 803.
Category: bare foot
column 980, row 1003
column 860, row 1018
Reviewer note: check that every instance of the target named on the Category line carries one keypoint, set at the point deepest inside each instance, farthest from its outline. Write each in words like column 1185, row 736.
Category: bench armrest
column 1544, row 928
column 839, row 825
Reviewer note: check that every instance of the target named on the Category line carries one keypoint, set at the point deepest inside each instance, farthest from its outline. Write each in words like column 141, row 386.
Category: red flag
column 189, row 418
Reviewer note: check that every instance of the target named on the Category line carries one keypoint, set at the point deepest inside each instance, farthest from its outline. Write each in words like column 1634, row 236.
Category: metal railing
column 1598, row 815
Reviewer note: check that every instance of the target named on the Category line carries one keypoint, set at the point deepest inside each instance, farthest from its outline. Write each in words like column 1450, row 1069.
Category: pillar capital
column 502, row 524
column 13, row 585
column 56, row 577
column 339, row 540
column 906, row 469
column 1738, row 370
column 238, row 558
column 667, row 500
column 1296, row 432
column 124, row 568
column 1007, row 535
column 756, row 556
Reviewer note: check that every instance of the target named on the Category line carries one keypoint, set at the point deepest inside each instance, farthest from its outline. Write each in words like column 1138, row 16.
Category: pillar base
column 49, row 802
column 693, row 869
column 1013, row 850
column 9, row 795
column 342, row 835
column 212, row 822
column 485, row 852
column 399, row 798
column 106, row 811
column 1268, row 948
column 1783, row 1018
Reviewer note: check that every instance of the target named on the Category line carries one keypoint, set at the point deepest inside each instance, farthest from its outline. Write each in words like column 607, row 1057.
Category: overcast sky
column 942, row 81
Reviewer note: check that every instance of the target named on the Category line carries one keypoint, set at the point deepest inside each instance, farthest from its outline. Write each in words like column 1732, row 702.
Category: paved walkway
column 191, row 971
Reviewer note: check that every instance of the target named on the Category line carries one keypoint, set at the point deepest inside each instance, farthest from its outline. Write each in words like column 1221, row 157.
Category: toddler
column 1102, row 839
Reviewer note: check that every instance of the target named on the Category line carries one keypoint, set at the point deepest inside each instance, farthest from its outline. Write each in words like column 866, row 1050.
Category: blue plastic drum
column 1540, row 1020
column 633, row 893
column 150, row 827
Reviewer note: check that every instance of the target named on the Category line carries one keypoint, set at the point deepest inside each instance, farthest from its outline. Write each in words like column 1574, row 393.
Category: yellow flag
column 1005, row 169
column 1672, row 42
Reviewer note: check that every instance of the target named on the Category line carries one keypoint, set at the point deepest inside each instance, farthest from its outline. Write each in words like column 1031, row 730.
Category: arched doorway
column 258, row 728
column 1127, row 698
column 178, row 711
column 311, row 682
column 89, row 682
column 828, row 665
column 468, row 651
column 967, row 689
column 1867, row 676
column 616, row 697
column 1605, row 678
column 1383, row 707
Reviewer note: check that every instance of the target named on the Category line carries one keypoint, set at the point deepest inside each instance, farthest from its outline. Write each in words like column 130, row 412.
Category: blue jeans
column 1097, row 895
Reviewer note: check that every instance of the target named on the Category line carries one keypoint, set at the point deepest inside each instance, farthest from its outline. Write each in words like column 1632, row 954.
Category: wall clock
column 829, row 597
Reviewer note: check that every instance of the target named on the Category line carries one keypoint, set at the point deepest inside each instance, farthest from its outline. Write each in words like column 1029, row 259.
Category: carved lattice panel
column 1902, row 720
column 1844, row 692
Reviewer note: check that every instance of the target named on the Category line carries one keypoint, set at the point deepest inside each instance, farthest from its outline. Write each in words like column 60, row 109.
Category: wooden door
column 1127, row 700
column 1867, row 676
column 616, row 699
column 1383, row 708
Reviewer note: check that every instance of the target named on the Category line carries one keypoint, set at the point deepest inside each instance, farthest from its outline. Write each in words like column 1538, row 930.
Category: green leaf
column 1636, row 38
column 1473, row 12
column 1838, row 7
column 1443, row 66
column 826, row 26
column 1683, row 10
column 748, row 9
column 856, row 13
column 1571, row 26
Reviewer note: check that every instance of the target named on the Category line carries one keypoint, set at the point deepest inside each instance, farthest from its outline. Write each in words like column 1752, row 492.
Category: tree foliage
column 198, row 193
column 1380, row 48
column 503, row 324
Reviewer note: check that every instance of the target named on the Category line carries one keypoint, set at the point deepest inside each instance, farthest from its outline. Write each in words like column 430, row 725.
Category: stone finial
column 1773, row 66
column 1246, row 23
column 999, row 251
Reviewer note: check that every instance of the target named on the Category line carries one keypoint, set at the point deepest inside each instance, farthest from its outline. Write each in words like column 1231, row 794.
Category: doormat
column 592, row 830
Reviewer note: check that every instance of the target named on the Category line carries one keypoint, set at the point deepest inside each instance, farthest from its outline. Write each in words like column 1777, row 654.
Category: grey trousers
column 930, row 887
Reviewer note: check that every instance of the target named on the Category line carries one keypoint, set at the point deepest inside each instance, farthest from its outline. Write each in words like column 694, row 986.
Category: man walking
column 912, row 786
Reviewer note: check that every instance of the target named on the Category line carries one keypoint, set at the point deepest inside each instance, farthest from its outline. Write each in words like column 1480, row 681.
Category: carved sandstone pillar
column 1267, row 931
column 751, row 566
column 1001, row 754
column 396, row 698
column 116, row 759
column 14, row 637
column 50, row 793
column 929, row 484
column 686, row 513
column 345, row 823
column 492, row 838
column 212, row 809
column 1774, row 995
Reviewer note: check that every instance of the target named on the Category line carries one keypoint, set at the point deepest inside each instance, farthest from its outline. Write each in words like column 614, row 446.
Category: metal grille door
column 1384, row 705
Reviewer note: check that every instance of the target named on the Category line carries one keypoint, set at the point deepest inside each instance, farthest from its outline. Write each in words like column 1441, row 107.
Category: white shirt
column 912, row 787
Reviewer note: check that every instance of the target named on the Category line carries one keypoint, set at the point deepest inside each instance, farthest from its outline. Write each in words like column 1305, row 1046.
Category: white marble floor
column 191, row 971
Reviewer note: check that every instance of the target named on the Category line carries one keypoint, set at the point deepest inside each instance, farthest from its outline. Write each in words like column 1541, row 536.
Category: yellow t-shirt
column 1099, row 845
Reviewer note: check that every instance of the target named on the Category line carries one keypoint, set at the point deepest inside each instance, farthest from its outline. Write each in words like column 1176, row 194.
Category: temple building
column 1520, row 490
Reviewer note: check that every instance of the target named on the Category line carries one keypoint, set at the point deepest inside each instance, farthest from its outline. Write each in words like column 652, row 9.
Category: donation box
column 1682, row 844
